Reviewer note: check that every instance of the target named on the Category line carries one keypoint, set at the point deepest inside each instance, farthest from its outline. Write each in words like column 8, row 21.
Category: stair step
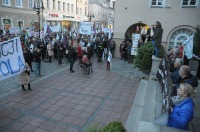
column 148, row 127
column 137, row 108
column 149, row 111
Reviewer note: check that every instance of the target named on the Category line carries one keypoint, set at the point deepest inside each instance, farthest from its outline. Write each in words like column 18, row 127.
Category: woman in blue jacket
column 182, row 112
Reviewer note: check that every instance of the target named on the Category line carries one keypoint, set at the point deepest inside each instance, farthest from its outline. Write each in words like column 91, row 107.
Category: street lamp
column 90, row 15
column 38, row 6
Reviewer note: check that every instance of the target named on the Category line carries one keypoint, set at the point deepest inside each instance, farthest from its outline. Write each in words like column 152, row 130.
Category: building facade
column 178, row 18
column 17, row 13
column 65, row 12
column 20, row 13
column 103, row 13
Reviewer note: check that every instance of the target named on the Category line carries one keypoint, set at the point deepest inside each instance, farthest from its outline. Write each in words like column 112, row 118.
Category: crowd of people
column 83, row 47
column 183, row 92
column 52, row 47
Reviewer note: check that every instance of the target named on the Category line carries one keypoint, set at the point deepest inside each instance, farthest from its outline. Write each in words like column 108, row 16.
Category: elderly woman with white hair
column 182, row 110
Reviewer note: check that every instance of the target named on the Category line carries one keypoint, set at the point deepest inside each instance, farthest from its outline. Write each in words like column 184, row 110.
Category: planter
column 155, row 64
column 143, row 75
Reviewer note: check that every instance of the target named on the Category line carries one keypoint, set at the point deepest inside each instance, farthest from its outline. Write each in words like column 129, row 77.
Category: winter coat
column 182, row 114
column 192, row 80
column 158, row 36
column 24, row 76
column 175, row 76
column 109, row 57
column 72, row 53
column 50, row 49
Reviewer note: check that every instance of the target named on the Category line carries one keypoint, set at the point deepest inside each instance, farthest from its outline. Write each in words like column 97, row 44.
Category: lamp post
column 90, row 15
column 38, row 6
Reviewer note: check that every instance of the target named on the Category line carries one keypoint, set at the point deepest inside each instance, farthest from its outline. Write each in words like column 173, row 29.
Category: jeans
column 71, row 64
column 156, row 50
column 37, row 68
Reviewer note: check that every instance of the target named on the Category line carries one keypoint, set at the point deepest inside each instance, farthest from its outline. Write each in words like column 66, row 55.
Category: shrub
column 114, row 126
column 143, row 58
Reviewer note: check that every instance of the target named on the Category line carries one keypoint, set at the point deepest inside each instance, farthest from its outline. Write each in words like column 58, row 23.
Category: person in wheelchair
column 85, row 61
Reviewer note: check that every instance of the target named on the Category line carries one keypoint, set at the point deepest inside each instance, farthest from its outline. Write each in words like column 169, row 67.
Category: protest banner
column 14, row 30
column 135, row 39
column 11, row 58
column 56, row 28
column 85, row 28
column 106, row 30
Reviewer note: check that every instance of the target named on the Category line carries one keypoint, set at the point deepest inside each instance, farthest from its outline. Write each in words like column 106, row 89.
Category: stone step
column 149, row 111
column 136, row 111
column 150, row 127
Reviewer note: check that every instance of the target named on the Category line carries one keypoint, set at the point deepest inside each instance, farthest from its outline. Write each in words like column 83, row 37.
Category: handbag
column 162, row 119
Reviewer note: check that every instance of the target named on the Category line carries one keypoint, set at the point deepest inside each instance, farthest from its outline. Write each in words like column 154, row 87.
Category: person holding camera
column 24, row 77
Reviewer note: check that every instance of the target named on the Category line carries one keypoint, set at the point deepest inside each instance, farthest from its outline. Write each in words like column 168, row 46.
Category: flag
column 49, row 31
column 142, row 31
column 151, row 32
column 188, row 47
column 57, row 37
column 26, row 39
column 65, row 40
column 137, row 29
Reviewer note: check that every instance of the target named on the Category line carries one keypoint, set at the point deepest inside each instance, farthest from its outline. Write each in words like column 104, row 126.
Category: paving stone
column 61, row 101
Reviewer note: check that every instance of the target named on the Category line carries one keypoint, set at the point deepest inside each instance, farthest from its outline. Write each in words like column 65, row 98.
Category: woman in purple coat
column 182, row 112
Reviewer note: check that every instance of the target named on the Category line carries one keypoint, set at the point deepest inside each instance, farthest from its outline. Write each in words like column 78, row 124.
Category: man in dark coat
column 186, row 77
column 72, row 57
column 158, row 31
column 59, row 52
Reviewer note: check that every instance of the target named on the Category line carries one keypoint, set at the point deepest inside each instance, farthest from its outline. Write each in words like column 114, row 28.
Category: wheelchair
column 86, row 68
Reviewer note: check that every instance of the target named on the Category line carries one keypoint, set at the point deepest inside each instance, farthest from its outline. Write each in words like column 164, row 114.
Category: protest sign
column 14, row 30
column 56, row 28
column 11, row 58
column 85, row 28
column 135, row 39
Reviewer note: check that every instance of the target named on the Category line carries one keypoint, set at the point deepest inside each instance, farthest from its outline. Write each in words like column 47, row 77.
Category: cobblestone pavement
column 62, row 101
column 12, row 84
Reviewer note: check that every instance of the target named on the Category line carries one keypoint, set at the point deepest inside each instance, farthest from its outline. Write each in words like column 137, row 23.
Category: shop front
column 68, row 21
column 52, row 19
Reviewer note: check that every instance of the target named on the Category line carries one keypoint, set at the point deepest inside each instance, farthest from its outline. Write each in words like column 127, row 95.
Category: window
column 64, row 9
column 179, row 36
column 59, row 6
column 158, row 3
column 77, row 10
column 80, row 11
column 72, row 8
column 68, row 8
column 19, row 3
column 54, row 5
column 6, row 2
column 85, row 11
column 189, row 3
column 30, row 4
column 21, row 24
column 48, row 4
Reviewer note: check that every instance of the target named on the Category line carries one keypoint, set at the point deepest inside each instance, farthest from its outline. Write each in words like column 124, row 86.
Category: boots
column 23, row 88
column 29, row 87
